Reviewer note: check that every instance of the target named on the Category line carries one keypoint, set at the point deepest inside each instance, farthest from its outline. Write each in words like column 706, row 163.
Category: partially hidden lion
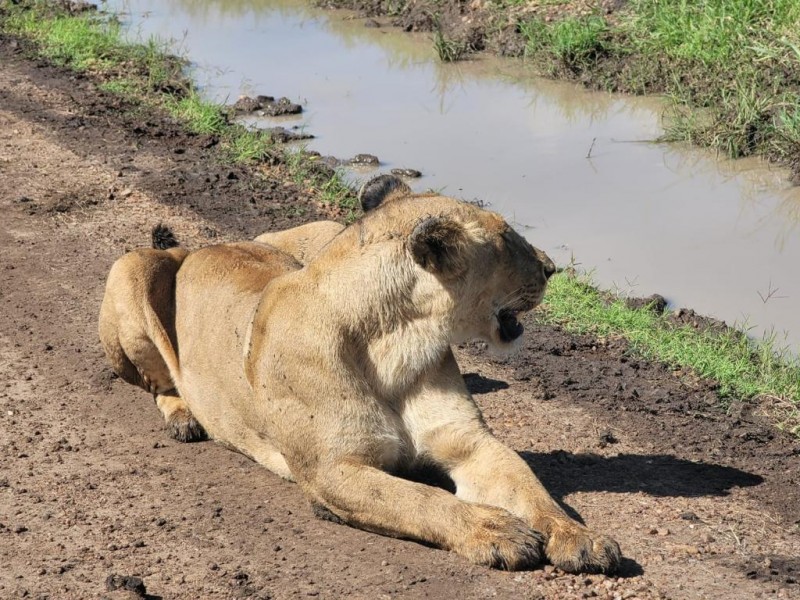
column 339, row 374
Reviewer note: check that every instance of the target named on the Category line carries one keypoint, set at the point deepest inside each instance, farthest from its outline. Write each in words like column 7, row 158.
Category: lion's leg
column 487, row 472
column 371, row 499
column 181, row 423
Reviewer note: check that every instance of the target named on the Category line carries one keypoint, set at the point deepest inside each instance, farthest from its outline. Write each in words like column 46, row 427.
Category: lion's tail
column 163, row 238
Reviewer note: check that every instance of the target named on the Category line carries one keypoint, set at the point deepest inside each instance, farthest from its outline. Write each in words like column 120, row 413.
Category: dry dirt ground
column 705, row 503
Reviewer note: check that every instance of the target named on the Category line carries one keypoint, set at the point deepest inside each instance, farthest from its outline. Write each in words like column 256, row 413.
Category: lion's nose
column 548, row 265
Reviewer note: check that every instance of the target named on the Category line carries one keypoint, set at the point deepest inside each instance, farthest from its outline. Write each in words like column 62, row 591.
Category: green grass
column 449, row 49
column 573, row 43
column 199, row 115
column 743, row 367
column 77, row 42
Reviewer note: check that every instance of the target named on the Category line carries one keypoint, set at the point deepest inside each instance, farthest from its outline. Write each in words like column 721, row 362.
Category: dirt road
column 704, row 503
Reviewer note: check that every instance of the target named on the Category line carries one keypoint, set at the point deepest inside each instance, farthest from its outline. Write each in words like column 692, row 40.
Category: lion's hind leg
column 137, row 332
column 181, row 424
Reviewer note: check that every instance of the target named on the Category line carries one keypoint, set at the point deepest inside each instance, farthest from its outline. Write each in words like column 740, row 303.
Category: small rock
column 663, row 531
column 281, row 135
column 655, row 303
column 364, row 160
column 132, row 584
column 606, row 438
column 410, row 173
column 247, row 104
column 689, row 516
column 282, row 106
column 20, row 529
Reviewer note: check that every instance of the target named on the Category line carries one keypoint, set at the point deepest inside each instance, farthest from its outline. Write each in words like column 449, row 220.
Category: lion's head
column 469, row 261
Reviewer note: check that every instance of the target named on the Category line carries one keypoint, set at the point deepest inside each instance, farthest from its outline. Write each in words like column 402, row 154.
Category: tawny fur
column 339, row 373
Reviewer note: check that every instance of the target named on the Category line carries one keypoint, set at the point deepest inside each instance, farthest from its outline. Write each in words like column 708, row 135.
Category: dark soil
column 96, row 500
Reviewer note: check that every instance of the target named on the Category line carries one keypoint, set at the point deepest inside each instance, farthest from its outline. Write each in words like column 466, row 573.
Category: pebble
column 410, row 173
column 364, row 160
column 132, row 584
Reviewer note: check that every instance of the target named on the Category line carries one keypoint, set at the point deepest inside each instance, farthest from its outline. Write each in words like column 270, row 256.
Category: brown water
column 721, row 237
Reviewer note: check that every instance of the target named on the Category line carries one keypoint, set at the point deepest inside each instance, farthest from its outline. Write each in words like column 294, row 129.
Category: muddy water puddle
column 575, row 171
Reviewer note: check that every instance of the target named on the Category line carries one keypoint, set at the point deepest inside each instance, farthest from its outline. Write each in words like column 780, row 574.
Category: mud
column 94, row 495
column 266, row 106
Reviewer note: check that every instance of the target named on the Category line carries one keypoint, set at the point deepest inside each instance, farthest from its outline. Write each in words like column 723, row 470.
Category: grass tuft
column 199, row 115
column 574, row 44
column 449, row 49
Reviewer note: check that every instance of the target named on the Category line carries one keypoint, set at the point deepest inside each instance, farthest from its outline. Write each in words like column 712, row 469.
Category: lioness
column 340, row 373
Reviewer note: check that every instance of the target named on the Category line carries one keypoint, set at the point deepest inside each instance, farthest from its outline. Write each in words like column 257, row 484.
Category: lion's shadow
column 563, row 473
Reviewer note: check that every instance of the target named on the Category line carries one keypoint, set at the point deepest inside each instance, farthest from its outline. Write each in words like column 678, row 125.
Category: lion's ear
column 438, row 245
column 381, row 189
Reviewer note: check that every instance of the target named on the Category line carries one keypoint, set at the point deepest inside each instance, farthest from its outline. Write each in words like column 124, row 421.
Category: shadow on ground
column 563, row 473
column 478, row 384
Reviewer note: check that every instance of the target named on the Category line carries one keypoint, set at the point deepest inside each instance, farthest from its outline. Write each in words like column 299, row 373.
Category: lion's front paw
column 576, row 549
column 502, row 541
column 184, row 427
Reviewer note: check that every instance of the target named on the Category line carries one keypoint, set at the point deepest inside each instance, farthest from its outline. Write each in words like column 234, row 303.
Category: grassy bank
column 148, row 77
column 730, row 67
column 744, row 368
